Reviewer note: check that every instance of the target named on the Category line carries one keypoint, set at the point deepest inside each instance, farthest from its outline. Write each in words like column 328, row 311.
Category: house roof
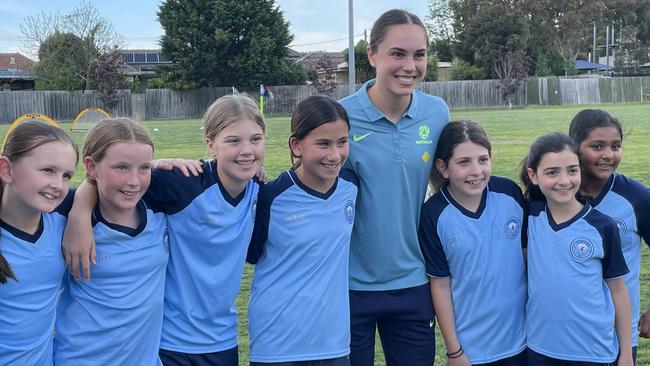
column 15, row 61
column 309, row 60
column 586, row 65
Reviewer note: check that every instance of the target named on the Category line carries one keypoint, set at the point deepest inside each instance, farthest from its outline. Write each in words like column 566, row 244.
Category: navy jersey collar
column 315, row 193
column 233, row 201
column 557, row 227
column 142, row 215
column 463, row 210
column 606, row 188
column 374, row 114
column 30, row 238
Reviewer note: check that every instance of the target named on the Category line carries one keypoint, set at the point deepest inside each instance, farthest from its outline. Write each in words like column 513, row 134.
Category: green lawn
column 511, row 132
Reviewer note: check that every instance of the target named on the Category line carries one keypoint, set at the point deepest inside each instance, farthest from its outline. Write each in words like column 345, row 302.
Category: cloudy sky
column 316, row 24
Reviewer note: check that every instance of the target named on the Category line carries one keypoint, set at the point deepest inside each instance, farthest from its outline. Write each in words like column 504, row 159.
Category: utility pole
column 607, row 50
column 593, row 49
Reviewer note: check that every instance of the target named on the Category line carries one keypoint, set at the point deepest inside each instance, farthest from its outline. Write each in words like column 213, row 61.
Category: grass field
column 511, row 132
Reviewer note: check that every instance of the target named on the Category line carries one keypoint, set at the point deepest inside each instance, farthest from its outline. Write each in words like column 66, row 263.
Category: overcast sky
column 315, row 24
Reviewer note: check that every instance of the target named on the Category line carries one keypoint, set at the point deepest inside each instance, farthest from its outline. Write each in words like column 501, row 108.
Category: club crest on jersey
column 581, row 249
column 622, row 227
column 349, row 211
column 512, row 227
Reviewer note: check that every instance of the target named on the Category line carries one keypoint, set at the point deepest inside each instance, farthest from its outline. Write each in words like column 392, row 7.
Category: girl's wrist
column 457, row 353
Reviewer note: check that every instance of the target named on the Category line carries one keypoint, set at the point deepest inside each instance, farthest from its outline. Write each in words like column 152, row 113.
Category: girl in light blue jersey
column 210, row 222
column 578, row 310
column 37, row 163
column 117, row 317
column 471, row 238
column 299, row 308
column 600, row 139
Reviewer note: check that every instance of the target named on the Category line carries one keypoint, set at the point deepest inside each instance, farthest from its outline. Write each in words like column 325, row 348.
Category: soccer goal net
column 87, row 118
column 30, row 117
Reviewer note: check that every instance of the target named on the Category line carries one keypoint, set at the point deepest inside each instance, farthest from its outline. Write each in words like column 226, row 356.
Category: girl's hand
column 186, row 166
column 261, row 175
column 644, row 325
column 458, row 361
column 78, row 246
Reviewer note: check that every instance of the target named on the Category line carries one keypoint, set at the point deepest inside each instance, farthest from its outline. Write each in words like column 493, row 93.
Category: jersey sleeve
column 349, row 175
column 613, row 261
column 643, row 215
column 435, row 259
column 261, row 228
column 171, row 191
column 64, row 207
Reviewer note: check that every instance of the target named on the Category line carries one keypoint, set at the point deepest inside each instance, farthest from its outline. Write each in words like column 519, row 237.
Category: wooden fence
column 58, row 105
column 172, row 104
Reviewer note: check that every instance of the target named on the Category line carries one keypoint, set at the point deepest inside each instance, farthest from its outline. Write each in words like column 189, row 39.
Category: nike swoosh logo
column 356, row 138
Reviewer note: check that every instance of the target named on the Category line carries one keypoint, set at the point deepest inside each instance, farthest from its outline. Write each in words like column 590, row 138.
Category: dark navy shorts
column 516, row 360
column 341, row 361
column 405, row 320
column 228, row 357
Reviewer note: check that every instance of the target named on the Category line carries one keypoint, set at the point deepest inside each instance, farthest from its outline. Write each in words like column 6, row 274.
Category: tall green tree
column 484, row 29
column 226, row 43
column 363, row 71
column 568, row 23
column 61, row 63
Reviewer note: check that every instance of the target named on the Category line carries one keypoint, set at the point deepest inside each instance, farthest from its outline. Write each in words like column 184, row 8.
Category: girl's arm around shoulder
column 78, row 243
column 171, row 190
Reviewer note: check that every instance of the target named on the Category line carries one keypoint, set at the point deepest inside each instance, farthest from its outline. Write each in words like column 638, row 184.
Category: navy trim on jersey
column 163, row 194
column 271, row 191
column 63, row 209
column 634, row 192
column 312, row 192
column 475, row 215
column 613, row 261
column 262, row 215
column 31, row 238
column 130, row 231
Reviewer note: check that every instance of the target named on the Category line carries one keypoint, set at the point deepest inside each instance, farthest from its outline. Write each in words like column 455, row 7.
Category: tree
column 225, row 43
column 631, row 19
column 83, row 21
column 106, row 78
column 67, row 45
column 439, row 22
column 567, row 22
column 363, row 71
column 487, row 28
column 511, row 68
column 60, row 66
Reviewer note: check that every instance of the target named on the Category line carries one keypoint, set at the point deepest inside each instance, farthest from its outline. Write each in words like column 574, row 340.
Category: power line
column 323, row 42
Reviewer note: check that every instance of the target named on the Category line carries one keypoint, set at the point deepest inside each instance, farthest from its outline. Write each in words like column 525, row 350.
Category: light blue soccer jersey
column 570, row 312
column 299, row 308
column 481, row 253
column 209, row 233
column 28, row 306
column 116, row 318
column 628, row 203
column 393, row 162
